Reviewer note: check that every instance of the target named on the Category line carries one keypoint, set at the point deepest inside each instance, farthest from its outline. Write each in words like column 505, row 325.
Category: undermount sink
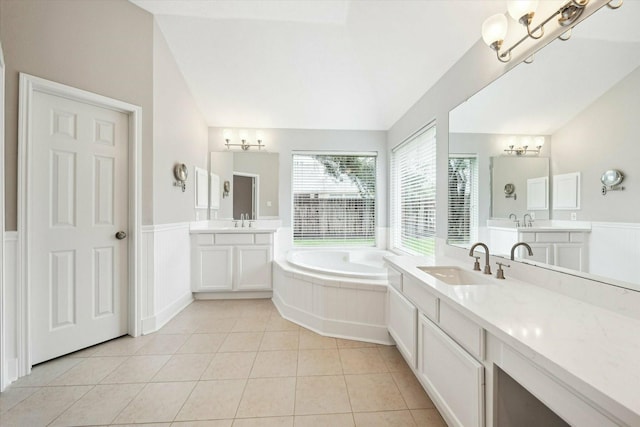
column 456, row 275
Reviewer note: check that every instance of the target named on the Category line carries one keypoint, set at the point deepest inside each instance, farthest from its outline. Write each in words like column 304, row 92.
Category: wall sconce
column 226, row 188
column 611, row 180
column 180, row 173
column 494, row 28
column 243, row 136
column 523, row 149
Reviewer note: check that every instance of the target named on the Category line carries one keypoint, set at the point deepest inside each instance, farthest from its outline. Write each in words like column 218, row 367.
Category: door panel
column 78, row 198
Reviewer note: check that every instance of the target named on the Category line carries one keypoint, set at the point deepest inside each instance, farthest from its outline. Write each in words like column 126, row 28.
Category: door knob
column 121, row 235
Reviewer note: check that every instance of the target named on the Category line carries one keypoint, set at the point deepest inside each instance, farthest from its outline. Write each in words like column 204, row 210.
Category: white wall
column 179, row 136
column 603, row 136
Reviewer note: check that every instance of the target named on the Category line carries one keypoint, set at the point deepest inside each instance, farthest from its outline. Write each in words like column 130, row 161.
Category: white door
column 78, row 267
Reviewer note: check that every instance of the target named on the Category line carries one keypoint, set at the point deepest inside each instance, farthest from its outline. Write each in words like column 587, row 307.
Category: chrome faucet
column 515, row 219
column 487, row 267
column 524, row 220
column 242, row 218
column 526, row 245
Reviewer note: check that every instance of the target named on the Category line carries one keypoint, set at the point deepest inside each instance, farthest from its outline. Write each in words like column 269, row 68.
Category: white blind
column 413, row 193
column 334, row 199
column 463, row 199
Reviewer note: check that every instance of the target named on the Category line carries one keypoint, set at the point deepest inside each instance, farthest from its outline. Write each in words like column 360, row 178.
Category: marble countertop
column 594, row 350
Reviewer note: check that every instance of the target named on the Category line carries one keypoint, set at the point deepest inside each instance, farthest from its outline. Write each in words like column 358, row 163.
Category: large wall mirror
column 576, row 111
column 252, row 184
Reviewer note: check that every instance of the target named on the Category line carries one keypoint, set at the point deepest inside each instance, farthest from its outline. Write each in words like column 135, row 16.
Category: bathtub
column 338, row 293
column 365, row 264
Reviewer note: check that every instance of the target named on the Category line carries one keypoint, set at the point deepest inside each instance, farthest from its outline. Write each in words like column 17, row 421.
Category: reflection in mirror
column 583, row 97
column 513, row 189
column 254, row 184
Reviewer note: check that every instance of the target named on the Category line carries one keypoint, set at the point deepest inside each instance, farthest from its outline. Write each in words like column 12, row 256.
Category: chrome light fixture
column 243, row 136
column 494, row 28
column 523, row 149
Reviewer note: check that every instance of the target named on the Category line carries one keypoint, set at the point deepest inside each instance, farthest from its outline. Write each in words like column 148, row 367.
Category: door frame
column 28, row 85
column 3, row 299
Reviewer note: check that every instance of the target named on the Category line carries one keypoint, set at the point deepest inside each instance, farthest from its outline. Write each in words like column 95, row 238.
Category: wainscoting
column 166, row 274
column 614, row 250
column 10, row 305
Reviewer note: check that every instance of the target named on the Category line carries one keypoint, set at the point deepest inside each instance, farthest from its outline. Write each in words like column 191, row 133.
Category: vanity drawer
column 528, row 237
column 417, row 292
column 234, row 239
column 204, row 239
column 577, row 237
column 394, row 277
column 554, row 237
column 463, row 330
column 264, row 238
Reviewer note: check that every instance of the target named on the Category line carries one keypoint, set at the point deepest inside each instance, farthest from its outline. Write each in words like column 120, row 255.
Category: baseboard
column 233, row 295
column 153, row 323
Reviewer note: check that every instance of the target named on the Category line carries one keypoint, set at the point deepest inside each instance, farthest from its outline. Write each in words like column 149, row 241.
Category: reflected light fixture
column 243, row 135
column 523, row 149
column 494, row 28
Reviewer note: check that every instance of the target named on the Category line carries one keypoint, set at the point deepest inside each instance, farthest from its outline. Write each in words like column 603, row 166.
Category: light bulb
column 539, row 141
column 227, row 134
column 494, row 30
column 260, row 136
column 521, row 8
column 243, row 134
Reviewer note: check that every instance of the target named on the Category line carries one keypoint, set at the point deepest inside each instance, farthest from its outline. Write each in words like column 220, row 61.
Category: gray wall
column 103, row 46
column 477, row 68
column 179, row 136
column 603, row 136
column 113, row 48
column 285, row 141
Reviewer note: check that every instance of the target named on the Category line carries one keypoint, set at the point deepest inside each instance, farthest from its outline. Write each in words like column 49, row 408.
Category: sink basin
column 456, row 275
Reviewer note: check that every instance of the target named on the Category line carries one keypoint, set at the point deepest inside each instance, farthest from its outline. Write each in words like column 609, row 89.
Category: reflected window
column 334, row 199
column 463, row 199
column 413, row 193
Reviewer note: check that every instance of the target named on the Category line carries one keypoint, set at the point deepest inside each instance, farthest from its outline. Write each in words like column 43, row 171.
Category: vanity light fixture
column 523, row 149
column 494, row 28
column 244, row 137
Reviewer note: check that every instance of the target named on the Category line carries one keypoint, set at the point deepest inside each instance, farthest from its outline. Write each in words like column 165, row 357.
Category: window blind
column 334, row 199
column 413, row 193
column 463, row 199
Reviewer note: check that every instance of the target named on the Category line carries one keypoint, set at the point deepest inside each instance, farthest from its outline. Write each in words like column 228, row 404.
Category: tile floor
column 223, row 363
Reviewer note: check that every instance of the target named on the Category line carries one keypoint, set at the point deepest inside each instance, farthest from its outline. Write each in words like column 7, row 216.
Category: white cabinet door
column 570, row 255
column 454, row 377
column 542, row 252
column 213, row 268
column 253, row 267
column 402, row 325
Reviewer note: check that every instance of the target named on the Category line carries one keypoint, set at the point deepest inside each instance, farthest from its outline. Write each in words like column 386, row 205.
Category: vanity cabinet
column 402, row 325
column 442, row 346
column 563, row 248
column 231, row 262
column 452, row 374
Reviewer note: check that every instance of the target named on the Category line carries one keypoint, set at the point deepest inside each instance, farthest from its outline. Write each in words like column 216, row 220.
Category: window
column 334, row 199
column 463, row 199
column 413, row 194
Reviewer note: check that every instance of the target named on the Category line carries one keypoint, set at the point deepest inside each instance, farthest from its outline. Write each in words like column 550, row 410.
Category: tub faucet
column 515, row 219
column 526, row 245
column 487, row 267
column 527, row 223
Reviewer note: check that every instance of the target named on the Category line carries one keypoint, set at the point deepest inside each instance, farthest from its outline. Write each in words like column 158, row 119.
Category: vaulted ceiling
column 315, row 64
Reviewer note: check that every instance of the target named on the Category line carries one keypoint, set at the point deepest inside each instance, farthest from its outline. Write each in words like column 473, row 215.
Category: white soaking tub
column 339, row 293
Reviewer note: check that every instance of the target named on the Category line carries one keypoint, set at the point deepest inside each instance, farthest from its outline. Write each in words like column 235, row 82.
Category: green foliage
column 361, row 170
